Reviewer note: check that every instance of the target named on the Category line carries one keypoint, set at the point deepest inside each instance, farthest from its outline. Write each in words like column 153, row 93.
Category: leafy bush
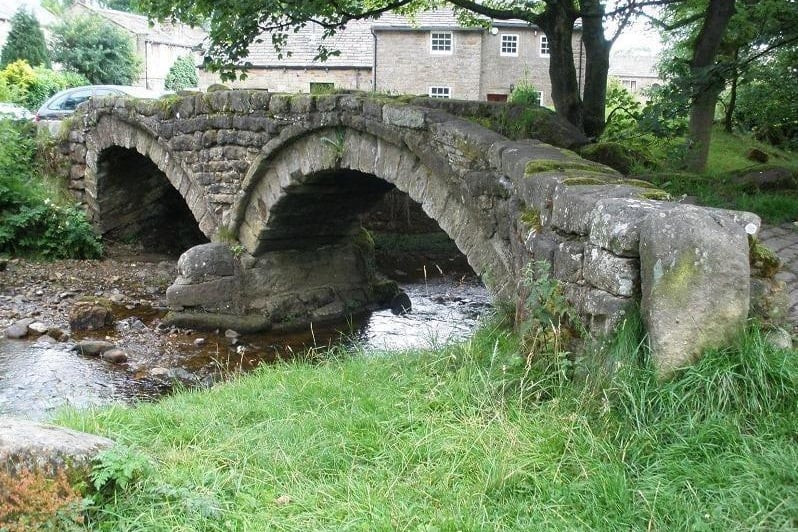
column 30, row 87
column 182, row 74
column 95, row 48
column 33, row 220
column 525, row 93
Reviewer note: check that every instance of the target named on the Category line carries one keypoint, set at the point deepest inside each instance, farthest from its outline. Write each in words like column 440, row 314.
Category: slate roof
column 634, row 63
column 356, row 44
column 175, row 34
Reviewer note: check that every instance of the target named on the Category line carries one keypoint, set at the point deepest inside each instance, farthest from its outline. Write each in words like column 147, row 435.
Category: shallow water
column 37, row 379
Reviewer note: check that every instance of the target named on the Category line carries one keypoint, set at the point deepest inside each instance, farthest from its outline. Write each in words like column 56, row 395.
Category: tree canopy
column 95, row 48
column 182, row 74
column 25, row 41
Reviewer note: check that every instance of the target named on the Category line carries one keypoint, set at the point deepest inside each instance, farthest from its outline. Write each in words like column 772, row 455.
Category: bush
column 34, row 221
column 30, row 87
column 182, row 74
column 95, row 48
column 525, row 93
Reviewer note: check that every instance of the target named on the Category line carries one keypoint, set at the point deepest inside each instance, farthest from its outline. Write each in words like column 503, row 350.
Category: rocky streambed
column 45, row 365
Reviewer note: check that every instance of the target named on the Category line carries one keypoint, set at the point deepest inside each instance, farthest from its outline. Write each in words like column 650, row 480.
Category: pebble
column 199, row 342
column 230, row 333
column 159, row 372
column 93, row 347
column 115, row 356
column 38, row 328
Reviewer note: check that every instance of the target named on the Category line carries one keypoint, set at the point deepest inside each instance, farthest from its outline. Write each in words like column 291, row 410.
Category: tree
column 182, row 74
column 97, row 49
column 233, row 26
column 25, row 41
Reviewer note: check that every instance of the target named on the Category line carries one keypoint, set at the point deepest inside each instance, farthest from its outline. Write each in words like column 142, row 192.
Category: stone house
column 429, row 54
column 636, row 68
column 158, row 45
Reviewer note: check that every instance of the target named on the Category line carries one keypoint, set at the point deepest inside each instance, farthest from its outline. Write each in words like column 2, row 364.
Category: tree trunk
column 707, row 83
column 597, row 64
column 729, row 118
column 557, row 22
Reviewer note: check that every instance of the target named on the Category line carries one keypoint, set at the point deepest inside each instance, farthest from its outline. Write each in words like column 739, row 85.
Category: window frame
column 543, row 43
column 515, row 42
column 433, row 43
column 445, row 94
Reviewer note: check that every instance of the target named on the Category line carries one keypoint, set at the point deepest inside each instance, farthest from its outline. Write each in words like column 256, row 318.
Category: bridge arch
column 345, row 157
column 112, row 133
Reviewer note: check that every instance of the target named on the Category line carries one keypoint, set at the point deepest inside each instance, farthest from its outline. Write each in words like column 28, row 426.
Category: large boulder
column 207, row 278
column 694, row 273
column 29, row 446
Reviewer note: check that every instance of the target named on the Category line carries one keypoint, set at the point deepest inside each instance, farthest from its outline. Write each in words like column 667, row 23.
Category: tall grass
column 470, row 437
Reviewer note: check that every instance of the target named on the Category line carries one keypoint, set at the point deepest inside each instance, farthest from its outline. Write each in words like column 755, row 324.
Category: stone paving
column 783, row 240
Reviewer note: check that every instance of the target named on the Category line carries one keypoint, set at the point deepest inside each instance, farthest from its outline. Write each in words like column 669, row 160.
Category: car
column 64, row 103
column 12, row 111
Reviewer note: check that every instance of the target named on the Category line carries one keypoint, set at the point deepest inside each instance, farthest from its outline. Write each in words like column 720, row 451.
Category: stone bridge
column 279, row 184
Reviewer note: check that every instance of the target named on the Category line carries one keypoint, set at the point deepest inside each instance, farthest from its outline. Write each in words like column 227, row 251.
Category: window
column 440, row 92
column 509, row 46
column 544, row 46
column 441, row 42
column 629, row 84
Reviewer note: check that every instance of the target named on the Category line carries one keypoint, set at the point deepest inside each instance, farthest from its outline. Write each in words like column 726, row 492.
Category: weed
column 35, row 501
column 336, row 143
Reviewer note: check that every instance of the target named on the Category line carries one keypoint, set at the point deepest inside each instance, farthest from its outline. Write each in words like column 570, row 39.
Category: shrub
column 182, row 74
column 34, row 221
column 98, row 50
column 32, row 501
column 25, row 41
column 19, row 83
column 525, row 93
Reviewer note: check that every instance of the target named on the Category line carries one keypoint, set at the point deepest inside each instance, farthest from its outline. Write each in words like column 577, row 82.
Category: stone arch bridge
column 279, row 182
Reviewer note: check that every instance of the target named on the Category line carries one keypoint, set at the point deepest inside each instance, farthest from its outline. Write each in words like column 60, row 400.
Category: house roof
column 355, row 43
column 434, row 19
column 175, row 34
column 640, row 62
column 9, row 7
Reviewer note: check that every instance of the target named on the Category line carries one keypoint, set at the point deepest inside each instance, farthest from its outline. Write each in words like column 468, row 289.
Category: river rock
column 93, row 347
column 19, row 329
column 115, row 356
column 779, row 338
column 38, row 328
column 90, row 316
column 206, row 262
column 46, row 340
column 160, row 373
column 401, row 304
column 695, row 283
column 29, row 446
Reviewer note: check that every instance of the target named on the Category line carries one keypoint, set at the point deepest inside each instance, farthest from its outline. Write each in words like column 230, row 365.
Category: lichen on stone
column 762, row 258
column 655, row 194
column 531, row 219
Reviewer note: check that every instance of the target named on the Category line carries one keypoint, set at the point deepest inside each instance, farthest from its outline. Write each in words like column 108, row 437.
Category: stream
column 37, row 378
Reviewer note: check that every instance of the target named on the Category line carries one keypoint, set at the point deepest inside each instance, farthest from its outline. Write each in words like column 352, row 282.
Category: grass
column 717, row 186
column 470, row 437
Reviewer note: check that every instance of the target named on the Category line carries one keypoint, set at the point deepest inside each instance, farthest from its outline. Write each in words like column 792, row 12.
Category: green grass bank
column 477, row 436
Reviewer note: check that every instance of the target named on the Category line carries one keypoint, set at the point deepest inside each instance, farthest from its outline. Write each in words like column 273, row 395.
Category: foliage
column 767, row 105
column 34, row 221
column 182, row 74
column 97, row 49
column 525, row 93
column 25, row 41
column 119, row 468
column 30, row 87
column 36, row 501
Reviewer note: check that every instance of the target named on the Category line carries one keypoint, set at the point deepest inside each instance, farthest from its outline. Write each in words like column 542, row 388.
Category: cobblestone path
column 783, row 240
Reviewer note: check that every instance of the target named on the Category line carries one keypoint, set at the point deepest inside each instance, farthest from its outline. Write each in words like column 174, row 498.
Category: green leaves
column 103, row 53
column 25, row 41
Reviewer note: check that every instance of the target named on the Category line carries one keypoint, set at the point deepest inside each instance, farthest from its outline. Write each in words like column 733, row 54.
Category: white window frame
column 440, row 91
column 511, row 38
column 543, row 43
column 437, row 38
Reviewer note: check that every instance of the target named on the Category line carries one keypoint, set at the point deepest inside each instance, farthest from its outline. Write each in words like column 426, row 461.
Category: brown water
column 37, row 379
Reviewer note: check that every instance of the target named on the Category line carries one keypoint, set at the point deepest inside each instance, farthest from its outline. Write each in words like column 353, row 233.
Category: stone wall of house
column 295, row 80
column 405, row 64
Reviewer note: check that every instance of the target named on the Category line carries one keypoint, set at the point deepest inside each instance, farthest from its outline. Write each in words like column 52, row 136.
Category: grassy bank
column 468, row 438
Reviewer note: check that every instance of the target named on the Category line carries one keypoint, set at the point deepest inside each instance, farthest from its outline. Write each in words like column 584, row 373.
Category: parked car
column 12, row 111
column 63, row 104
